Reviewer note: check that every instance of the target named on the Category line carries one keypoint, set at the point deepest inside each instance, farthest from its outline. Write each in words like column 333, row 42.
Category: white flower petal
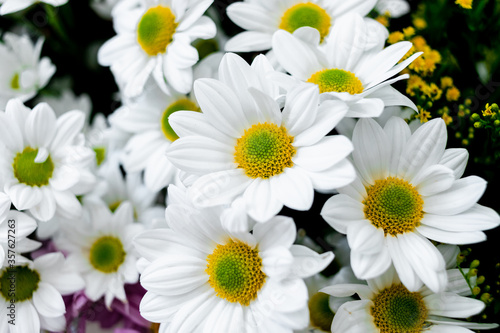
column 301, row 108
column 341, row 210
column 455, row 159
column 398, row 134
column 293, row 188
column 48, row 301
column 262, row 204
column 277, row 262
column 46, row 208
column 308, row 262
column 474, row 219
column 344, row 290
column 365, row 238
column 324, row 154
column 40, row 127
column 69, row 125
column 402, row 265
column 23, row 196
column 248, row 41
column 433, row 179
column 188, row 123
column 370, row 266
column 279, row 231
column 30, row 321
column 354, row 317
column 451, row 305
column 450, row 237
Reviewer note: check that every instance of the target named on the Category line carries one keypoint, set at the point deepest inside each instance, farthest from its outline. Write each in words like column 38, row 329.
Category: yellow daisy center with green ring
column 14, row 83
column 394, row 205
column 30, row 173
column 336, row 80
column 179, row 105
column 306, row 15
column 320, row 313
column 107, row 254
column 156, row 30
column 235, row 272
column 19, row 283
column 395, row 309
column 265, row 150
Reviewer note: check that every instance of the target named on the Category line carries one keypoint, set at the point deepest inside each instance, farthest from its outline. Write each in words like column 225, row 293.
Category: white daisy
column 154, row 39
column 42, row 169
column 200, row 277
column 147, row 119
column 22, row 72
column 242, row 145
column 11, row 6
column 345, row 68
column 262, row 18
column 30, row 294
column 101, row 248
column 386, row 305
column 408, row 190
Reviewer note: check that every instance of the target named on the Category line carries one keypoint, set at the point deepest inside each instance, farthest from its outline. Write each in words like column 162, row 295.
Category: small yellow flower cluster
column 467, row 4
column 452, row 92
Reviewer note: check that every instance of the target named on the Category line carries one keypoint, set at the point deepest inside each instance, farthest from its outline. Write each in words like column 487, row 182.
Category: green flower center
column 320, row 314
column 100, row 155
column 19, row 283
column 107, row 254
column 235, row 272
column 306, row 15
column 14, row 83
column 156, row 29
column 179, row 105
column 30, row 173
column 395, row 310
column 336, row 80
column 394, row 205
column 264, row 150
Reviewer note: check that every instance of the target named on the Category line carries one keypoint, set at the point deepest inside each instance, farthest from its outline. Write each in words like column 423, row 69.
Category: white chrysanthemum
column 408, row 190
column 22, row 72
column 154, row 39
column 242, row 145
column 30, row 294
column 345, row 68
column 263, row 18
column 201, row 277
column 11, row 6
column 101, row 248
column 147, row 119
column 386, row 305
column 395, row 8
column 42, row 169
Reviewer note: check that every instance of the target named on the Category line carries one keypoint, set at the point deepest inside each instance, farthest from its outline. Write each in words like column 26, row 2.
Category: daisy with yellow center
column 262, row 19
column 201, row 276
column 408, row 191
column 352, row 66
column 242, row 145
column 154, row 40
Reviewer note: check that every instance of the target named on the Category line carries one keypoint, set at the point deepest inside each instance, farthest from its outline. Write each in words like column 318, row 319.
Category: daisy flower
column 242, row 145
column 22, row 72
column 262, row 18
column 101, row 248
column 11, row 6
column 386, row 305
column 408, row 191
column 201, row 277
column 345, row 68
column 42, row 169
column 154, row 39
column 147, row 119
column 31, row 294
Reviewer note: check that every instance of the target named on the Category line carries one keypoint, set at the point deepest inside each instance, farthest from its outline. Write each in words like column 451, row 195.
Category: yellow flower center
column 107, row 254
column 265, row 150
column 18, row 283
column 100, row 155
column 181, row 104
column 320, row 313
column 235, row 272
column 30, row 173
column 306, row 15
column 395, row 309
column 14, row 83
column 394, row 205
column 156, row 30
column 336, row 80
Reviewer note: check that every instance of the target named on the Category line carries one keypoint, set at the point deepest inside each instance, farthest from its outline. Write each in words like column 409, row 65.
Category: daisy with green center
column 408, row 191
column 348, row 68
column 22, row 72
column 262, row 18
column 35, row 290
column 147, row 120
column 242, row 145
column 154, row 39
column 43, row 165
column 100, row 246
column 200, row 276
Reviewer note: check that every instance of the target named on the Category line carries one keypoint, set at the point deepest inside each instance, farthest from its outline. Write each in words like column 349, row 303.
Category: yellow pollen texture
column 156, row 29
column 396, row 310
column 306, row 15
column 336, row 80
column 235, row 272
column 394, row 205
column 265, row 150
